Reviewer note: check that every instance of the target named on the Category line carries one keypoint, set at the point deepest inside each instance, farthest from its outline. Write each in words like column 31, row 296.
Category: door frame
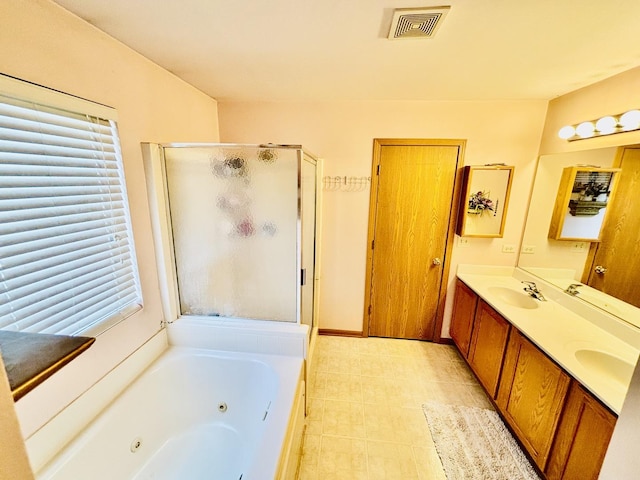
column 378, row 143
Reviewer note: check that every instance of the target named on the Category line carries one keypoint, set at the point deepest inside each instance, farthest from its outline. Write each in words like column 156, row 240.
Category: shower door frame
column 157, row 191
column 304, row 156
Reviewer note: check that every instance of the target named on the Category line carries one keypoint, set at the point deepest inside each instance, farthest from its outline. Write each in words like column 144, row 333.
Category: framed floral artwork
column 484, row 201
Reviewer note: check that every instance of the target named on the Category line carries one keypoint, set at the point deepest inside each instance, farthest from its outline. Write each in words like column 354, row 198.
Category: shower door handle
column 303, row 277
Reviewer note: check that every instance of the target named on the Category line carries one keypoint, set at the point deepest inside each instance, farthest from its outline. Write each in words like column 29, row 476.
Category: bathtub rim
column 240, row 335
column 288, row 371
column 44, row 444
column 54, row 436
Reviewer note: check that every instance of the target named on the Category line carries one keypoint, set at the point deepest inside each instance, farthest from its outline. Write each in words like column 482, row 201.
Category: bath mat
column 473, row 443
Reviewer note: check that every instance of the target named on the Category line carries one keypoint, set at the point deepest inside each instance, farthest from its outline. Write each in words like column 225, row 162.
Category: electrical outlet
column 508, row 248
column 528, row 249
column 463, row 242
column 579, row 247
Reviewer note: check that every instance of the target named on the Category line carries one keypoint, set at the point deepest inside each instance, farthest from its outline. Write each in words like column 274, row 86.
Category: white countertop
column 623, row 310
column 598, row 359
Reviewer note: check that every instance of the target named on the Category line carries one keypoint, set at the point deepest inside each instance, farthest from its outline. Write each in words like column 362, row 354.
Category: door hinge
column 369, row 309
column 378, row 170
column 372, row 242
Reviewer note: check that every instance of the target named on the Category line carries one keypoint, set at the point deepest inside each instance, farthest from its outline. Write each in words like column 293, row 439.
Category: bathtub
column 194, row 413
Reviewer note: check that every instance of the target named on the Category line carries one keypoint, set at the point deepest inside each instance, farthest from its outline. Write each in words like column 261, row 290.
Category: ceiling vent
column 416, row 22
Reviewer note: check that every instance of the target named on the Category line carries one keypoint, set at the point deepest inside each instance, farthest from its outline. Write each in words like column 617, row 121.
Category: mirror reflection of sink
column 606, row 364
column 515, row 298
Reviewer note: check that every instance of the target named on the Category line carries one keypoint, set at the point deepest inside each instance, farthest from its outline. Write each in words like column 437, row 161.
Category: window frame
column 36, row 94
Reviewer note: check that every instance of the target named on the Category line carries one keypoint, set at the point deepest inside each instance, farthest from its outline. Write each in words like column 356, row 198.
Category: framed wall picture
column 485, row 198
column 581, row 204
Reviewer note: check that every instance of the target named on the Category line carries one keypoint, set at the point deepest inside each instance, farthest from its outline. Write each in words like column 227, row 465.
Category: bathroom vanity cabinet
column 582, row 438
column 531, row 396
column 562, row 426
column 464, row 311
column 488, row 344
column 481, row 334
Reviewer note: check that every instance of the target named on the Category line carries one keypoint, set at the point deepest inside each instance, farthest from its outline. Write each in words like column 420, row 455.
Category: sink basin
column 606, row 364
column 515, row 298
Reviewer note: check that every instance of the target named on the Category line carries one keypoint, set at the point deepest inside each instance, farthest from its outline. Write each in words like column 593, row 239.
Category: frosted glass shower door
column 234, row 217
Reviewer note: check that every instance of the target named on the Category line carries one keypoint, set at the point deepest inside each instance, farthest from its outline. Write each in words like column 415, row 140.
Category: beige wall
column 621, row 461
column 343, row 133
column 42, row 43
column 612, row 96
column 14, row 463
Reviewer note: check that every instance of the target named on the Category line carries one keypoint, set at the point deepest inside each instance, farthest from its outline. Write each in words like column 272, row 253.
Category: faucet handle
column 530, row 284
column 573, row 289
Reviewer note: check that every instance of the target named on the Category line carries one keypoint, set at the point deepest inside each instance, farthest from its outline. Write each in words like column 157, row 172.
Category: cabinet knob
column 437, row 261
column 600, row 269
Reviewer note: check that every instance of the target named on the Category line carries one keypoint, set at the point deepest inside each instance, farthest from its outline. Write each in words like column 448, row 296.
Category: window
column 67, row 261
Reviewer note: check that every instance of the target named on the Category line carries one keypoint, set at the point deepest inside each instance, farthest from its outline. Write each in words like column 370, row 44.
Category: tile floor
column 364, row 401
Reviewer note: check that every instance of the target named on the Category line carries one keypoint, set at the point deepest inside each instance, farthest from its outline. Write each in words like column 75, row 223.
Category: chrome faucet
column 573, row 289
column 532, row 289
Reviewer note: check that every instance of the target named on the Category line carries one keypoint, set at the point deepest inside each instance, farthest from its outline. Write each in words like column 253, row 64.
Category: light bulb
column 606, row 125
column 585, row 129
column 630, row 120
column 566, row 132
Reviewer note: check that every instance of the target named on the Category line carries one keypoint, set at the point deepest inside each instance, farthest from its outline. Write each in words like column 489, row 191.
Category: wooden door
column 410, row 227
column 618, row 249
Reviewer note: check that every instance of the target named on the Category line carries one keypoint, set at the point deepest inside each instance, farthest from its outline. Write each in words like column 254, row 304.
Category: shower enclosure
column 239, row 222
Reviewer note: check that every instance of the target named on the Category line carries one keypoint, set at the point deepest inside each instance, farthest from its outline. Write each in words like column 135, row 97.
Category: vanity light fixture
column 586, row 130
column 624, row 122
column 630, row 120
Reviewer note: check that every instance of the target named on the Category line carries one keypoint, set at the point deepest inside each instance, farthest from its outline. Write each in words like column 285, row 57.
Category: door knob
column 437, row 261
column 600, row 269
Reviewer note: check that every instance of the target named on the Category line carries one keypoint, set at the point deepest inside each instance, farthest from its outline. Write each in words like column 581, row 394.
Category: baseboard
column 339, row 333
column 352, row 333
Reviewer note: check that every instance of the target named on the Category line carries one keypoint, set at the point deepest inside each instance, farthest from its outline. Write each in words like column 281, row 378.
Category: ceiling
column 322, row 50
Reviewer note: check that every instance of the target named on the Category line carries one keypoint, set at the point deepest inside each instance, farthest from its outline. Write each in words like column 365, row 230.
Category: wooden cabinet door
column 582, row 439
column 531, row 396
column 488, row 343
column 464, row 310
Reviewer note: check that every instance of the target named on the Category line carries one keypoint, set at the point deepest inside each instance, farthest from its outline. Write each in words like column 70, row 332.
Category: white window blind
column 67, row 262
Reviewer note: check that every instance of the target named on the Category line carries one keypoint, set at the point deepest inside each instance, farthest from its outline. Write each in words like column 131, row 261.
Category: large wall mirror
column 605, row 273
